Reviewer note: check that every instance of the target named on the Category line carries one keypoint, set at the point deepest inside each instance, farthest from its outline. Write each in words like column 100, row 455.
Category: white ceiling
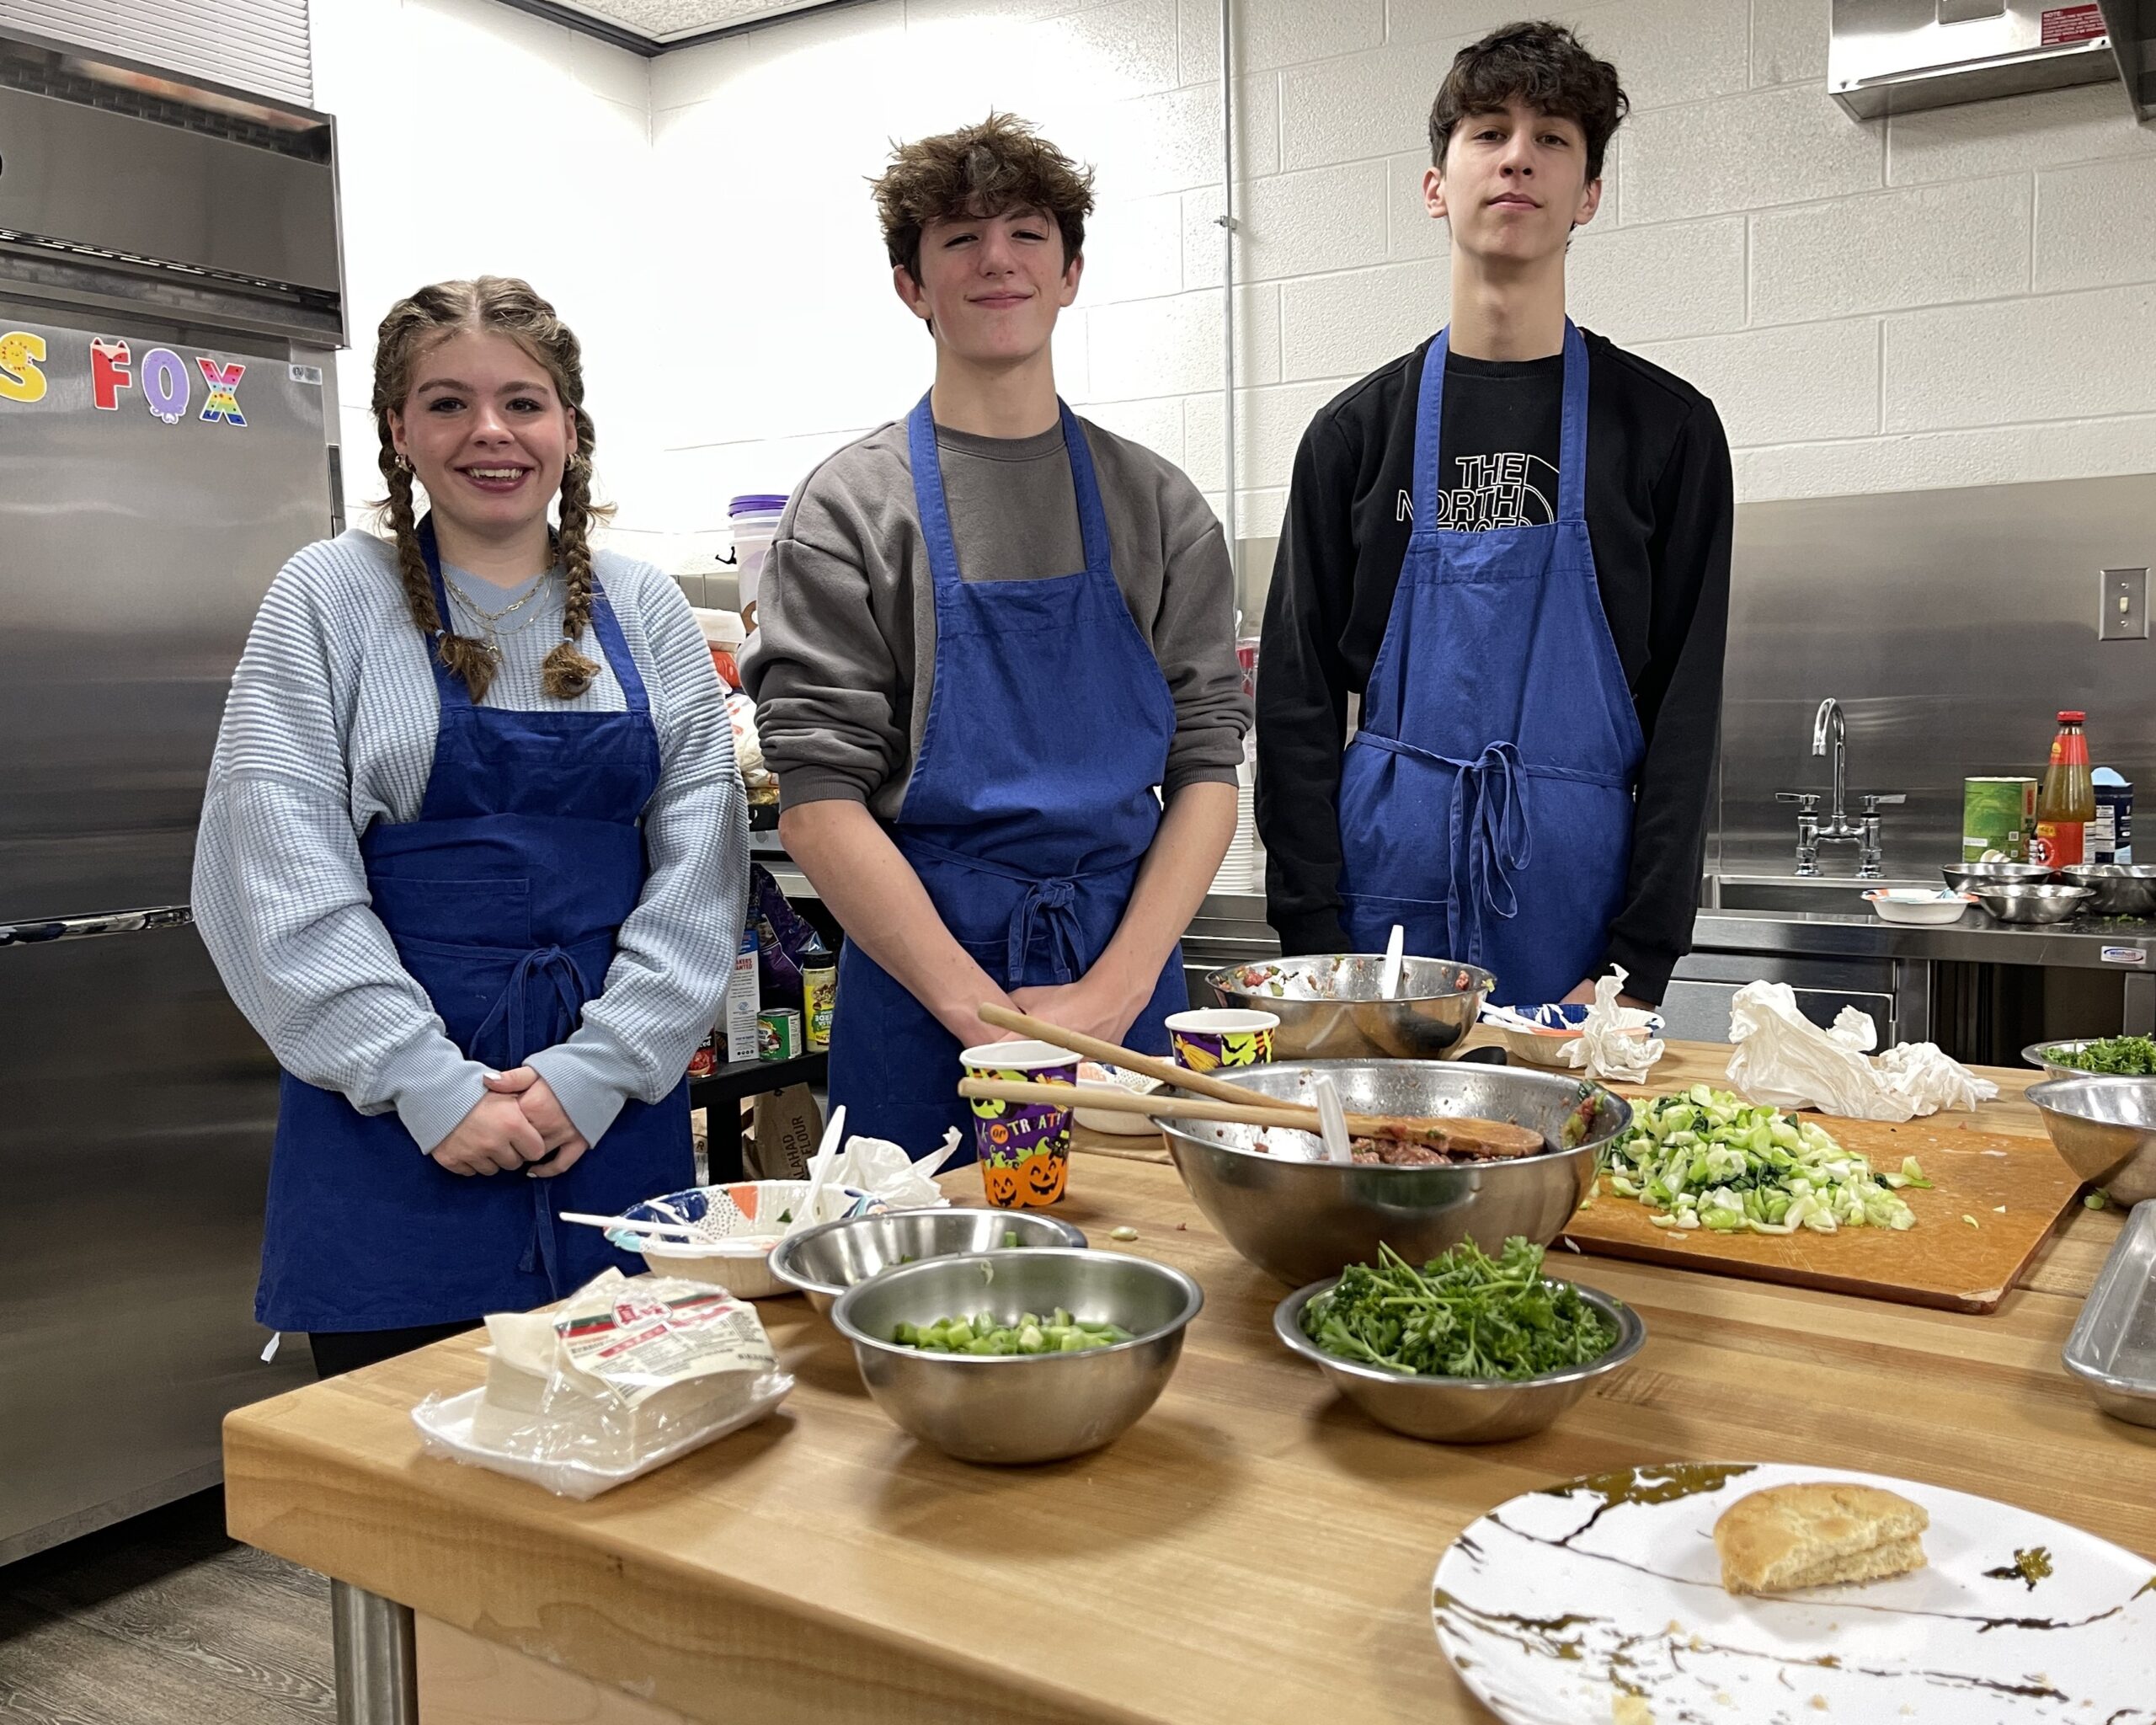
column 665, row 22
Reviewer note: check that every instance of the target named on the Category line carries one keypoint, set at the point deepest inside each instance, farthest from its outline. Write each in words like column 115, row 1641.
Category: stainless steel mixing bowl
column 823, row 1263
column 1462, row 1410
column 2105, row 1129
column 1975, row 876
column 1301, row 1221
column 2033, row 903
column 1020, row 1407
column 2120, row 889
column 1437, row 1005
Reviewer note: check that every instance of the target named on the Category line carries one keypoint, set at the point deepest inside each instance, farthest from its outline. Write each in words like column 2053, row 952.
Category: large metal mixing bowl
column 2105, row 1129
column 1975, row 877
column 2120, row 889
column 2035, row 904
column 1303, row 1221
column 824, row 1262
column 1462, row 1410
column 1020, row 1407
column 1329, row 1009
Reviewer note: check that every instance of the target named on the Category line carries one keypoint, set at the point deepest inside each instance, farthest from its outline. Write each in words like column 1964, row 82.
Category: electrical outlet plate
column 2125, row 614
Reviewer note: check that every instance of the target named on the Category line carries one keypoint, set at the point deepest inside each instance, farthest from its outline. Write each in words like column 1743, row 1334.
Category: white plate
column 1554, row 1604
column 1099, row 1119
column 1922, row 906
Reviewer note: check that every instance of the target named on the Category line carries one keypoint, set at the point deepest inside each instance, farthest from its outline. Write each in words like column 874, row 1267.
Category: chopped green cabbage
column 1703, row 1158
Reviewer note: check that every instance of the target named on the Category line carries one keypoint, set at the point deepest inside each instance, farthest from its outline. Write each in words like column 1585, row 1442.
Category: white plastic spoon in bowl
column 1389, row 983
column 1331, row 1118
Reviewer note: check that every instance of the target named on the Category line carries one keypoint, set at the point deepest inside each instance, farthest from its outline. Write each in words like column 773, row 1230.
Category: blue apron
column 1031, row 805
column 1486, row 802
column 503, row 899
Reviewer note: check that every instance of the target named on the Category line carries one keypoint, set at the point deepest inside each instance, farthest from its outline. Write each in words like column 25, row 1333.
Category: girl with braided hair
column 472, row 853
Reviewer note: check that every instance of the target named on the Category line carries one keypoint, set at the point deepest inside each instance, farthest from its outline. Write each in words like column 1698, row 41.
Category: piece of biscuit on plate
column 1816, row 1536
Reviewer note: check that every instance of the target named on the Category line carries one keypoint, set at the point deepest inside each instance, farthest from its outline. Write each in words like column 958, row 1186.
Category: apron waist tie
column 1488, row 831
column 1046, row 905
column 508, row 1028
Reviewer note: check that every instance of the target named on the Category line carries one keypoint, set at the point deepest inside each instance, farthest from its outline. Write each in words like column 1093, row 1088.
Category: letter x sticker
column 224, row 382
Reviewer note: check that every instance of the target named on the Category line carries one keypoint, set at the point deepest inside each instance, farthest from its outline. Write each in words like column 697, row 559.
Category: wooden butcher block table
column 1253, row 1549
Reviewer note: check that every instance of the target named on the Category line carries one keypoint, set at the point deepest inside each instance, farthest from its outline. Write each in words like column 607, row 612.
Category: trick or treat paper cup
column 1210, row 1037
column 1024, row 1146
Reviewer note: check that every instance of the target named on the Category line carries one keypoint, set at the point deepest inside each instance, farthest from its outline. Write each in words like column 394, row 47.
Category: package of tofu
column 621, row 1377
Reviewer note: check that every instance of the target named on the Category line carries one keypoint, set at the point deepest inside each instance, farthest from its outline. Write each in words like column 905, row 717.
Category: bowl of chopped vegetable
column 1330, row 1006
column 2104, row 1129
column 2113, row 1056
column 1467, row 1348
column 1015, row 1357
column 1298, row 1217
column 823, row 1263
column 1706, row 1159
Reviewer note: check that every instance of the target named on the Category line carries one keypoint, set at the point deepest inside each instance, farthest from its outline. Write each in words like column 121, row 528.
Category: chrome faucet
column 1827, row 726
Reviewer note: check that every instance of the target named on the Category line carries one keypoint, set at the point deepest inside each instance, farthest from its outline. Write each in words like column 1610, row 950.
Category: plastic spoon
column 643, row 1230
column 1331, row 1118
column 820, row 1173
column 1388, row 985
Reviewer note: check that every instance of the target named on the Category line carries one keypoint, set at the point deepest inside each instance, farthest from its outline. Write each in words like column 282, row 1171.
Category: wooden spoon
column 1289, row 1117
column 1461, row 1134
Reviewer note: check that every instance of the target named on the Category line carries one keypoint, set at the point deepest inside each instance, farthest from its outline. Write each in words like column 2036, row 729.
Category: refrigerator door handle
column 24, row 934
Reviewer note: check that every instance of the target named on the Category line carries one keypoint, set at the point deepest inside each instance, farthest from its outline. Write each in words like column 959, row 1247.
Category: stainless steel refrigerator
column 170, row 296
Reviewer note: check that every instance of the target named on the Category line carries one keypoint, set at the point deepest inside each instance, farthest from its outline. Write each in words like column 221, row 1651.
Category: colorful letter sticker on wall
column 20, row 354
column 224, row 383
column 108, row 372
column 166, row 386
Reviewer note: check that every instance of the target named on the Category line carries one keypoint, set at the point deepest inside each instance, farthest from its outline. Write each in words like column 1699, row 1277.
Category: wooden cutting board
column 2014, row 1188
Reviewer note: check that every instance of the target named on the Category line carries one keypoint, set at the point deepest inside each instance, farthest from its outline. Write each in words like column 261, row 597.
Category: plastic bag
column 1784, row 1060
column 782, row 937
column 619, row 1379
column 1612, row 1045
column 873, row 1165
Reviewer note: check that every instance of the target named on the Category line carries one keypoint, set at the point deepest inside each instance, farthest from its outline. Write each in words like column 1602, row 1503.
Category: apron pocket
column 494, row 910
column 1426, row 925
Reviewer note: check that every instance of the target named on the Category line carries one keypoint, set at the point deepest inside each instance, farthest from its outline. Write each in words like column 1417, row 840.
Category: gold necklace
column 488, row 619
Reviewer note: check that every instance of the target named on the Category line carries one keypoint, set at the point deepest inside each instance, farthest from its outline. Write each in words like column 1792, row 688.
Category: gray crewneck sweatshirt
column 843, row 660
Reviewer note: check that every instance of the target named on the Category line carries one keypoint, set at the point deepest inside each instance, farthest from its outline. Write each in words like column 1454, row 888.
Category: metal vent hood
column 1891, row 57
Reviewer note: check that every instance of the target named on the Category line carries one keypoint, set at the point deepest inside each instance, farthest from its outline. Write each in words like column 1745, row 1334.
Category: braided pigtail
column 404, row 332
column 566, row 673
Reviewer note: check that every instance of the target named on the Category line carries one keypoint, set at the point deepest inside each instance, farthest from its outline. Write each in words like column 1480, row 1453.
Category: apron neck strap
column 933, row 506
column 606, row 628
column 1571, row 431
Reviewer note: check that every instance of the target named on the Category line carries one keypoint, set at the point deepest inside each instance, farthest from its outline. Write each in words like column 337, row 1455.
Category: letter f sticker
column 109, row 373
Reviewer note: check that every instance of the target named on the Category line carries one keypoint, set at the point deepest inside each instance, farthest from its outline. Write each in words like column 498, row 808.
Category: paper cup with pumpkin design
column 1024, row 1146
column 1209, row 1038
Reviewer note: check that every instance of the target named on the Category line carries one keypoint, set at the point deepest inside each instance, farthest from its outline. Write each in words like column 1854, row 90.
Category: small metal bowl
column 2104, row 1128
column 823, row 1263
column 2033, row 903
column 1016, row 1408
column 1438, row 1003
column 2120, row 889
column 1979, row 877
column 1462, row 1410
column 1299, row 1220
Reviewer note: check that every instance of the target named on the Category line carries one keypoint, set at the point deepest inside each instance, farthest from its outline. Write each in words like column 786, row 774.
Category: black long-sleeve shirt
column 1659, row 503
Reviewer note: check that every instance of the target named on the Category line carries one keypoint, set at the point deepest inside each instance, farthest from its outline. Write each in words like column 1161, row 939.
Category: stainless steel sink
column 1757, row 892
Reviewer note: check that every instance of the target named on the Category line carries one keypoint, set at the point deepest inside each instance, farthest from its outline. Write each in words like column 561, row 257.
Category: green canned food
column 1998, row 816
column 778, row 1035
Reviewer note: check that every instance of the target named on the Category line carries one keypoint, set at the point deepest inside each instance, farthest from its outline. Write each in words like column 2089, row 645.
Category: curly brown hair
column 501, row 304
column 1545, row 67
column 1001, row 164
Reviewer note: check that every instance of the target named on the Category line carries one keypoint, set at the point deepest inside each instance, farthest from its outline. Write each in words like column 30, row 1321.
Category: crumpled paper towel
column 1783, row 1059
column 1609, row 1045
column 875, row 1165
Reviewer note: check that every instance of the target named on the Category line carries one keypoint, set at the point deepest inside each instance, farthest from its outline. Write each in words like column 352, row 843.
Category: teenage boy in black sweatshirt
column 1531, row 613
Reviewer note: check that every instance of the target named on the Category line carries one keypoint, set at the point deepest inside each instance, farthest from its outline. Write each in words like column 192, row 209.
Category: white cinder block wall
column 1950, row 298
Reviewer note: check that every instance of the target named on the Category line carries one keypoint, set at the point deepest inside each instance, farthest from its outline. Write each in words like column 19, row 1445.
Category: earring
column 403, row 464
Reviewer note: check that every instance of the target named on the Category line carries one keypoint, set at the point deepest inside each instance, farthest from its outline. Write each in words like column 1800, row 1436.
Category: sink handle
column 1873, row 805
column 1808, row 802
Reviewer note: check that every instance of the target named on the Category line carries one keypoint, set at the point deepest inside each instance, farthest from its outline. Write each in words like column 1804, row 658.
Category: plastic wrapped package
column 621, row 1378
